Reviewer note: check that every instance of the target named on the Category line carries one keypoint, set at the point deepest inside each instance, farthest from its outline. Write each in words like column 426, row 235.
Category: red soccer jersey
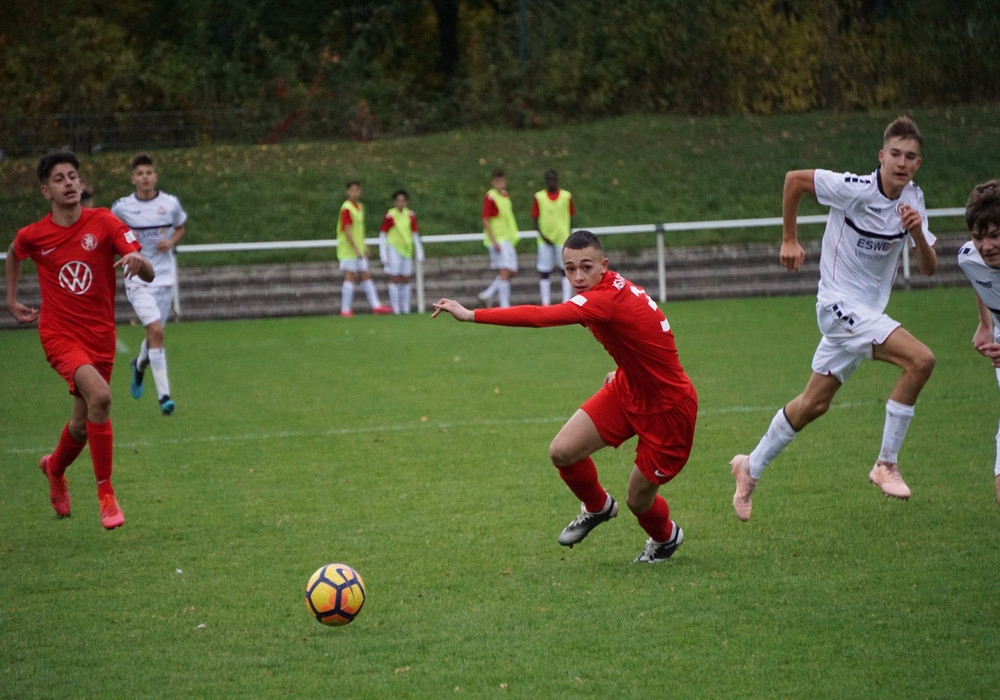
column 76, row 274
column 629, row 325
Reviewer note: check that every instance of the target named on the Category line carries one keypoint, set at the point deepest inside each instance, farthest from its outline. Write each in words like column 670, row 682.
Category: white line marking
column 427, row 425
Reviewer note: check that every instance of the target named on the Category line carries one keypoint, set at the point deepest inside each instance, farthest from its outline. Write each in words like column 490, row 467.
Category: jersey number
column 641, row 293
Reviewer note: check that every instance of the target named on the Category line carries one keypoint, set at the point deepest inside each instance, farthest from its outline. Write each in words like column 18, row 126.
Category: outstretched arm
column 455, row 309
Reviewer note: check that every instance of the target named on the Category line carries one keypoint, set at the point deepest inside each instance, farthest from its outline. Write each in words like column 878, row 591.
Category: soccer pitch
column 415, row 450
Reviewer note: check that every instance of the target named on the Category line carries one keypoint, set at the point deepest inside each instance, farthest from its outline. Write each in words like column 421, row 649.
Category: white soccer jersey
column 152, row 221
column 864, row 238
column 985, row 280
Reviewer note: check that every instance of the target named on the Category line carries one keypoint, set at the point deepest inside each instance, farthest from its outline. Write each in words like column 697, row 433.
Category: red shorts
column 67, row 356
column 665, row 439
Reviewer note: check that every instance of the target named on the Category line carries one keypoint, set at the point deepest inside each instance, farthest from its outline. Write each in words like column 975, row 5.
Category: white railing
column 659, row 229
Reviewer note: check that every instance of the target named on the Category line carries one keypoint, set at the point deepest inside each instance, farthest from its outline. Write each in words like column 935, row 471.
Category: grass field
column 416, row 451
column 637, row 169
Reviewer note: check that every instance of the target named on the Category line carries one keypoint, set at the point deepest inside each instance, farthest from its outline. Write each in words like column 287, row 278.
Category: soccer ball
column 335, row 594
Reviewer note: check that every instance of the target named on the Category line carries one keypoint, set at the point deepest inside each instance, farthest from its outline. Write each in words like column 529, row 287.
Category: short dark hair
column 904, row 128
column 498, row 173
column 142, row 159
column 578, row 240
column 983, row 207
column 399, row 192
column 352, row 183
column 51, row 160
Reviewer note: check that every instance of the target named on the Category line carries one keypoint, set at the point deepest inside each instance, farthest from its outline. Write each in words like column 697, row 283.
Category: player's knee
column 99, row 404
column 560, row 453
column 924, row 364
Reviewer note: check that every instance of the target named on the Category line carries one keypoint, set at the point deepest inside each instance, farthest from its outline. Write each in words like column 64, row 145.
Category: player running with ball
column 648, row 395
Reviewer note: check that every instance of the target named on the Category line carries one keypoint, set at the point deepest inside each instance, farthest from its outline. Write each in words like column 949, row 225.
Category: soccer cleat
column 584, row 523
column 135, row 388
column 347, row 314
column 381, row 310
column 886, row 476
column 661, row 551
column 58, row 494
column 167, row 405
column 744, row 486
column 111, row 514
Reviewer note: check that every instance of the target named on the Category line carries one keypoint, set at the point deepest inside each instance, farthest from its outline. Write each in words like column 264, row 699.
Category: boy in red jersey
column 74, row 249
column 648, row 395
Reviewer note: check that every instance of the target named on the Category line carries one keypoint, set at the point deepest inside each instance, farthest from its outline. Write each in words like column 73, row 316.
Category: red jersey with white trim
column 76, row 274
column 629, row 325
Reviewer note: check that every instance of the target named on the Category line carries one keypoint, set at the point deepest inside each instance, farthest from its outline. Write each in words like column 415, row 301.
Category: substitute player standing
column 648, row 395
column 979, row 259
column 74, row 251
column 552, row 211
column 871, row 218
column 500, row 237
column 398, row 246
column 159, row 223
column 352, row 253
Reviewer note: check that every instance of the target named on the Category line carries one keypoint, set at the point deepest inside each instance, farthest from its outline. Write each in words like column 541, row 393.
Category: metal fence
column 659, row 229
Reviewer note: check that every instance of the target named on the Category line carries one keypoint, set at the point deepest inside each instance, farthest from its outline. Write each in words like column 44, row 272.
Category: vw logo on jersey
column 89, row 241
column 76, row 277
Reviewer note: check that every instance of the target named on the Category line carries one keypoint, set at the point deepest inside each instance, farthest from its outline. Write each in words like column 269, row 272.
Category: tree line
column 339, row 69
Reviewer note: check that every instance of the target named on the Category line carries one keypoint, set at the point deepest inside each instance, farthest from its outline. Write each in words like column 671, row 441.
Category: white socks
column 158, row 364
column 777, row 437
column 346, row 297
column 897, row 420
column 545, row 291
column 369, row 286
column 503, row 293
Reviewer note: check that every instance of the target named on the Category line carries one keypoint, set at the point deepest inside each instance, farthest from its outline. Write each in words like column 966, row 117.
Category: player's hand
column 992, row 351
column 23, row 314
column 910, row 219
column 132, row 264
column 454, row 308
column 792, row 255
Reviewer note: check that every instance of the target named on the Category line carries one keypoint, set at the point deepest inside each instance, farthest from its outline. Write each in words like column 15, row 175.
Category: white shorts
column 396, row 265
column 151, row 303
column 505, row 258
column 354, row 265
column 848, row 339
column 549, row 257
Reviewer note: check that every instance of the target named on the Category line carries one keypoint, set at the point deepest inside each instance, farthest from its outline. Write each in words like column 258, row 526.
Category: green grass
column 416, row 451
column 630, row 170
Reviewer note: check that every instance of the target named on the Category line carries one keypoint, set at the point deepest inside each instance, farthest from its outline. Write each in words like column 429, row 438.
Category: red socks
column 65, row 453
column 101, row 440
column 656, row 520
column 581, row 478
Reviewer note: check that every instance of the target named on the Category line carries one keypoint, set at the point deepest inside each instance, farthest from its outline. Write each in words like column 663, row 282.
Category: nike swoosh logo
column 46, row 252
column 660, row 474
